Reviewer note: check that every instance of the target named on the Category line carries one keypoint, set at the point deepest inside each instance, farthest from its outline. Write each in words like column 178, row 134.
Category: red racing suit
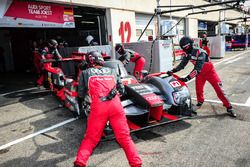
column 99, row 83
column 204, row 45
column 203, row 71
column 37, row 61
column 130, row 55
column 43, row 54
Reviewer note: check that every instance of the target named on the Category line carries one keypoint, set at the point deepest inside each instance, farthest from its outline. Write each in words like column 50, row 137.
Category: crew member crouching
column 103, row 86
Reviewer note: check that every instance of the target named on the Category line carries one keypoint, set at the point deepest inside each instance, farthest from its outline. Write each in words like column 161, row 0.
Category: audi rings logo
column 102, row 71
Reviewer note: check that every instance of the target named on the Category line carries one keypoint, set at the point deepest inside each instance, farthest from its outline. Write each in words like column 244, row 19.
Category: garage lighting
column 77, row 15
column 87, row 22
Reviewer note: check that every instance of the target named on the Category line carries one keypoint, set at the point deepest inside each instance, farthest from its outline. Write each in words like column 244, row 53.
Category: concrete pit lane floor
column 35, row 131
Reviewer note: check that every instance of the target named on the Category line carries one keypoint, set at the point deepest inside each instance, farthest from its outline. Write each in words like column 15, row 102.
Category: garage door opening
column 17, row 44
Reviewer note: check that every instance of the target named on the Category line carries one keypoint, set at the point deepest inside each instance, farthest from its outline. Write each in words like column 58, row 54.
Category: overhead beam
column 201, row 6
column 208, row 11
column 175, row 6
column 238, row 18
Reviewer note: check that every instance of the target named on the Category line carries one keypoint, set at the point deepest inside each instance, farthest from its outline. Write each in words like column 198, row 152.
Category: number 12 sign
column 125, row 28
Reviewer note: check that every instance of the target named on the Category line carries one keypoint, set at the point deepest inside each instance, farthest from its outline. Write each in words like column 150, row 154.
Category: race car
column 158, row 99
column 54, row 76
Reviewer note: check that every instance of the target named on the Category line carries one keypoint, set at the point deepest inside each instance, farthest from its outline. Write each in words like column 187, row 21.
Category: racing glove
column 124, row 60
column 83, row 65
column 120, row 87
column 171, row 71
column 87, row 99
column 184, row 79
column 43, row 60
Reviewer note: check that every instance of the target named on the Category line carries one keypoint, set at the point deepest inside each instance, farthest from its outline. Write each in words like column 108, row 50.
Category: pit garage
column 19, row 38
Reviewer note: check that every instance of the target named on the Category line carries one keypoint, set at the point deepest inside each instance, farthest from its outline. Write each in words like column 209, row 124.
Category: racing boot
column 231, row 111
column 108, row 130
column 78, row 165
column 197, row 106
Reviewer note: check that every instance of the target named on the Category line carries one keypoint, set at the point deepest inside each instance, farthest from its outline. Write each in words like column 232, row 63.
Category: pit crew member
column 203, row 71
column 102, row 85
column 127, row 56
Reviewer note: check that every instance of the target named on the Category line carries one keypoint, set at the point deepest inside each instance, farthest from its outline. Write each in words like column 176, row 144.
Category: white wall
column 192, row 27
column 114, row 20
column 141, row 22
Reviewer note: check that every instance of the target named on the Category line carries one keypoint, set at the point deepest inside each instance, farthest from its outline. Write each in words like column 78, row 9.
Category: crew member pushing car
column 45, row 52
column 102, row 85
column 128, row 55
column 203, row 71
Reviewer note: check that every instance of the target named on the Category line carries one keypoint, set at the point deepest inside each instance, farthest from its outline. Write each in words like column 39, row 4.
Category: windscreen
column 118, row 66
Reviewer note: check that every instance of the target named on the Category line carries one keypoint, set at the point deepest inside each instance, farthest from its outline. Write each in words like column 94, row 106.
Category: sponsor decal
column 127, row 81
column 35, row 14
column 175, row 84
column 153, row 99
column 140, row 89
column 165, row 44
column 193, row 74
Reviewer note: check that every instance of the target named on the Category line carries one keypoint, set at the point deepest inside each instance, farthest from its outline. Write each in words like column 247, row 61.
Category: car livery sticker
column 175, row 84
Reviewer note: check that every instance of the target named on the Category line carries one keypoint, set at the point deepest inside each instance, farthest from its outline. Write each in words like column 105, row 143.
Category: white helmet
column 89, row 38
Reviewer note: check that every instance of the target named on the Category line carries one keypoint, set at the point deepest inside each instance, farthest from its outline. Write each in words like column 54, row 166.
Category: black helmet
column 119, row 48
column 186, row 43
column 53, row 42
column 94, row 58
